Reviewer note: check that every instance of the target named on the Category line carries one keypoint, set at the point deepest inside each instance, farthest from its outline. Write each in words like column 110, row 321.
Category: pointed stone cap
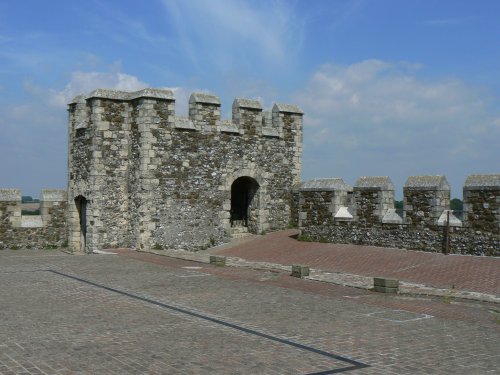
column 392, row 217
column 200, row 97
column 454, row 221
column 288, row 108
column 374, row 183
column 246, row 103
column 482, row 182
column 325, row 184
column 343, row 214
column 427, row 183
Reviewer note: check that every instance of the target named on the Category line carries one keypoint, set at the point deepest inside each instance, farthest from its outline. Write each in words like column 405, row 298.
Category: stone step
column 237, row 232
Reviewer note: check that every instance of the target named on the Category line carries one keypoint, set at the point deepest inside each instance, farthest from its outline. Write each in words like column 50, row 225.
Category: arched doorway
column 244, row 201
column 81, row 206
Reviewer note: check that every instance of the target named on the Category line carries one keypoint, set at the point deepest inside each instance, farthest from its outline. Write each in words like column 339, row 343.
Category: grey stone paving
column 53, row 324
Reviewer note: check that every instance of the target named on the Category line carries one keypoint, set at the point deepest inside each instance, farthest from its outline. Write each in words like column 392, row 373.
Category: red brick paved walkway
column 462, row 272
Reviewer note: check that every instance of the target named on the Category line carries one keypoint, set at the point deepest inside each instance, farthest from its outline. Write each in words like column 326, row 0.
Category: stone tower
column 142, row 177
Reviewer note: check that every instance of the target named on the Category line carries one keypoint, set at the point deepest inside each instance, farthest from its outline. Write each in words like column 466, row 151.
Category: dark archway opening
column 243, row 191
column 81, row 206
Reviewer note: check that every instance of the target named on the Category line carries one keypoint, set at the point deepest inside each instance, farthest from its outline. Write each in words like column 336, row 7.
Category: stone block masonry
column 330, row 210
column 45, row 231
column 142, row 177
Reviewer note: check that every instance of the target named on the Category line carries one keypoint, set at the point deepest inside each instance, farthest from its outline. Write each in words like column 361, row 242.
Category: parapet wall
column 330, row 210
column 45, row 231
column 248, row 117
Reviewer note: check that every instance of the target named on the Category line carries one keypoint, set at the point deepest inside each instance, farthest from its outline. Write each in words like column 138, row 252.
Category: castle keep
column 142, row 177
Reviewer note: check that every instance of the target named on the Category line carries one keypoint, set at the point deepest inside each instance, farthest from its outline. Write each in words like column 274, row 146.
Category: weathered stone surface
column 325, row 184
column 427, row 183
column 374, row 183
column 153, row 180
column 290, row 108
column 246, row 103
column 374, row 196
column 300, row 271
column 200, row 97
column 384, row 282
column 425, row 198
column 53, row 195
column 10, row 195
column 218, row 260
column 424, row 223
column 482, row 203
column 45, row 231
column 482, row 182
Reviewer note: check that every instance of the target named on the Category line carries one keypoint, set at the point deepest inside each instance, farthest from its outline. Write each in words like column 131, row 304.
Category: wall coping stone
column 427, row 183
column 53, row 195
column 482, row 182
column 10, row 195
column 288, row 108
column 125, row 95
column 374, row 183
column 200, row 97
column 184, row 123
column 325, row 184
column 246, row 103
column 227, row 126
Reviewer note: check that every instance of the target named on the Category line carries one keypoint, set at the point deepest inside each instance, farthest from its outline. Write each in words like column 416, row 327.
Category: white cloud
column 85, row 82
column 383, row 117
column 221, row 32
column 379, row 97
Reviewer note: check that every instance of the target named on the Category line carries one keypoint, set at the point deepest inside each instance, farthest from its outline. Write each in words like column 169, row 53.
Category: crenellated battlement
column 157, row 106
column 153, row 176
column 365, row 213
column 33, row 231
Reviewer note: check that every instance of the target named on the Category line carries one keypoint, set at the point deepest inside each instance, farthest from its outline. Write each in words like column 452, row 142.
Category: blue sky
column 388, row 87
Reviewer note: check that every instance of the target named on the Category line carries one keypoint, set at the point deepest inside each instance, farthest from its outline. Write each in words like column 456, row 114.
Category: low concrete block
column 384, row 285
column 382, row 281
column 300, row 271
column 383, row 289
column 218, row 260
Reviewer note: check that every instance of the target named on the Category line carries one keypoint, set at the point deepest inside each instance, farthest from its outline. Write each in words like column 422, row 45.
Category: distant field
column 30, row 206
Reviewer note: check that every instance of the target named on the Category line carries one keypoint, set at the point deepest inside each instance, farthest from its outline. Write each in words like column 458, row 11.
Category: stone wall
column 45, row 231
column 152, row 179
column 482, row 203
column 426, row 223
